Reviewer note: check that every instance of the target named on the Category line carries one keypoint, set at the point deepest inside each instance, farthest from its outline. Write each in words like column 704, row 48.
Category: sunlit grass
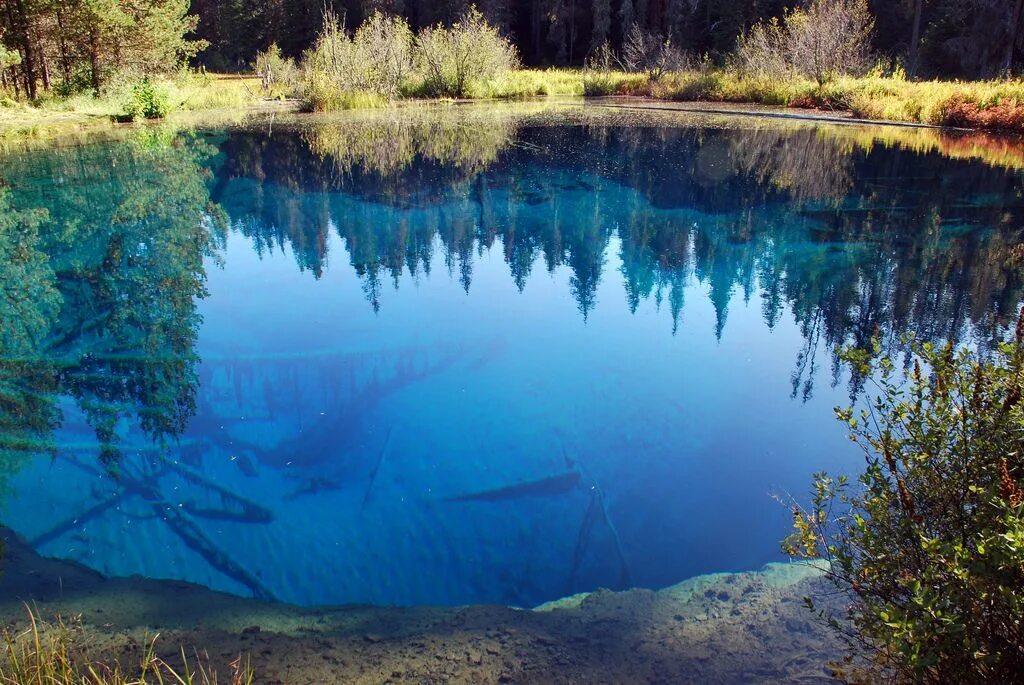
column 52, row 654
column 973, row 104
column 51, row 116
column 977, row 104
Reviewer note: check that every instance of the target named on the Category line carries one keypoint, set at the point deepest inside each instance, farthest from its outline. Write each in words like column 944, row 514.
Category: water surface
column 482, row 354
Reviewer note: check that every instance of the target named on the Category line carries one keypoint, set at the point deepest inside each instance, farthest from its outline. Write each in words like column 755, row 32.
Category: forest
column 953, row 38
column 70, row 46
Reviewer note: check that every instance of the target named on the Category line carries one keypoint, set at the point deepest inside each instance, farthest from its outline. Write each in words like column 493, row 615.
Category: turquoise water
column 481, row 355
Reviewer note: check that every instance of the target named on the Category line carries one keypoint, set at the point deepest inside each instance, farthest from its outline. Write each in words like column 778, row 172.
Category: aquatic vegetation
column 50, row 653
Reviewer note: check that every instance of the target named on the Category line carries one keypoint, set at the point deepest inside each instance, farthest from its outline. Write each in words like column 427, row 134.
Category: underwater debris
column 245, row 465
column 542, row 487
column 145, row 486
column 597, row 512
column 348, row 387
column 312, row 486
column 376, row 468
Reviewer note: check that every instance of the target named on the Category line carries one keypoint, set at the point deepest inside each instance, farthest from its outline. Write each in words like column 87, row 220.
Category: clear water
column 481, row 355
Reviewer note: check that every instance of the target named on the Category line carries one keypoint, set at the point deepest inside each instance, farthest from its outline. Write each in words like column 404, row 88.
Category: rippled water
column 482, row 354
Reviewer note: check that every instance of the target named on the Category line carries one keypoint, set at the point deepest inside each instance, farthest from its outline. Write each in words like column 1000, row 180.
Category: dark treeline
column 966, row 38
column 70, row 46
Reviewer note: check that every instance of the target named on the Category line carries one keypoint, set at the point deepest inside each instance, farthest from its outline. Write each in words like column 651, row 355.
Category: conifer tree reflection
column 111, row 267
column 846, row 237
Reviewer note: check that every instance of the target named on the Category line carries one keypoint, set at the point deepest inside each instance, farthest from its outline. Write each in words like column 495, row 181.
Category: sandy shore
column 723, row 628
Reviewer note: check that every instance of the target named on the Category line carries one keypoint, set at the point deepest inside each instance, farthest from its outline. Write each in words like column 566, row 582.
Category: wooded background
column 76, row 45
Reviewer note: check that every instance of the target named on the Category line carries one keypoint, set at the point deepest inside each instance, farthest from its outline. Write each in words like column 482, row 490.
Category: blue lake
column 477, row 354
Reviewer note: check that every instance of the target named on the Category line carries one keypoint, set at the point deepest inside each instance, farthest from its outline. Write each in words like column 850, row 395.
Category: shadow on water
column 106, row 250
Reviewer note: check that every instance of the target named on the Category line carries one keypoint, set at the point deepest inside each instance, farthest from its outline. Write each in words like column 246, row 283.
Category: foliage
column 76, row 45
column 931, row 543
column 376, row 59
column 52, row 653
column 829, row 38
column 277, row 74
column 453, row 58
column 126, row 257
column 650, row 53
column 147, row 100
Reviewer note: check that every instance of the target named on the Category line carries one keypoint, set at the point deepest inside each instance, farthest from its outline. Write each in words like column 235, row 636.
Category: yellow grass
column 982, row 104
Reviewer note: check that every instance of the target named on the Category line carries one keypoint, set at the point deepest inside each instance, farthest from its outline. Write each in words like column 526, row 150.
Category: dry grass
column 990, row 105
column 987, row 105
column 51, row 654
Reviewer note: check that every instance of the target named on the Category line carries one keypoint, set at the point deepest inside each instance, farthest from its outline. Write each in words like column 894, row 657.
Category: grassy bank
column 186, row 93
column 985, row 105
column 989, row 105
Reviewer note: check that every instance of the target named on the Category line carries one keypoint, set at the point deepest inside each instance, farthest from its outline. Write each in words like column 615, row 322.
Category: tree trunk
column 915, row 39
column 1011, row 43
column 62, row 44
column 28, row 65
column 94, row 60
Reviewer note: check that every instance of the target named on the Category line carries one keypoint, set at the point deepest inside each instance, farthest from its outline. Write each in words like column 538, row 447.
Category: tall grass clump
column 50, row 654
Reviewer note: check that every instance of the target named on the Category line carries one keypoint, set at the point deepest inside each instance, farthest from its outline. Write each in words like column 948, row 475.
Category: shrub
column 277, row 73
column 452, row 59
column 762, row 50
column 960, row 111
column 930, row 546
column 654, row 54
column 602, row 58
column 829, row 38
column 386, row 45
column 147, row 100
column 375, row 61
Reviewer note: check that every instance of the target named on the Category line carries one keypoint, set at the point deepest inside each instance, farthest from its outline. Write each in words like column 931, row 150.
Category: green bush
column 452, row 59
column 147, row 100
column 278, row 75
column 930, row 544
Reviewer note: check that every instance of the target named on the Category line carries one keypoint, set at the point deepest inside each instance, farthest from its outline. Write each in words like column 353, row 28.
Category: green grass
column 51, row 116
column 990, row 105
column 526, row 83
